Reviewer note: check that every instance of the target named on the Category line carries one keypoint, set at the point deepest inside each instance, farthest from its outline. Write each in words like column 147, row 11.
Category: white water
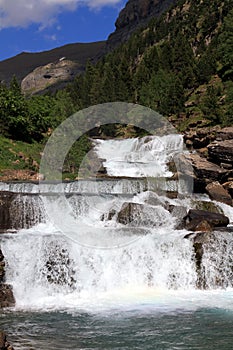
column 143, row 157
column 100, row 263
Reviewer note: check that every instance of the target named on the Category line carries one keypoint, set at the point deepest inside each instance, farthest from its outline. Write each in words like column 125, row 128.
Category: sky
column 39, row 25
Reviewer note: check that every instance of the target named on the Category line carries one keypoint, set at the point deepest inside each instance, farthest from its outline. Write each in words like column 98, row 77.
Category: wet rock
column 6, row 199
column 19, row 211
column 207, row 206
column 6, row 296
column 2, row 340
column 129, row 212
column 218, row 193
column 203, row 226
column 109, row 215
column 196, row 219
column 177, row 211
column 2, row 271
column 4, row 345
column 141, row 215
column 221, row 152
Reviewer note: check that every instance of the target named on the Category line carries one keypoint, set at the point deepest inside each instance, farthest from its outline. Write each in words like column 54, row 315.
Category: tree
column 225, row 47
column 14, row 119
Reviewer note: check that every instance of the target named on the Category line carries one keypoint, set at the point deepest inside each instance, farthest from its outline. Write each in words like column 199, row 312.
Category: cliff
column 136, row 14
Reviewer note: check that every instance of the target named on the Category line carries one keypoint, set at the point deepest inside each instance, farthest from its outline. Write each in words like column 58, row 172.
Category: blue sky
column 38, row 25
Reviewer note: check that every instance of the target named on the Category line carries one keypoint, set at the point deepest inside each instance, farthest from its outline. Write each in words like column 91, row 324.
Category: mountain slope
column 136, row 14
column 179, row 64
column 25, row 63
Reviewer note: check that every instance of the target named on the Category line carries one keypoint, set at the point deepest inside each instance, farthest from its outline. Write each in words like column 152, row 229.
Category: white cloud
column 21, row 13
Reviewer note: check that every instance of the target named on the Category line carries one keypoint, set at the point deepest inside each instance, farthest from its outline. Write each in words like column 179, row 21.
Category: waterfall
column 147, row 156
column 113, row 235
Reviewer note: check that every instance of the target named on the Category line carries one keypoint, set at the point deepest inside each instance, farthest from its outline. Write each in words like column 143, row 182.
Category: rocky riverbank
column 6, row 293
column 4, row 344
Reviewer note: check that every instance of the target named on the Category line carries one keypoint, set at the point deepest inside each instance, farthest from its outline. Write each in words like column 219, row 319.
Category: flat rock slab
column 202, row 168
column 221, row 152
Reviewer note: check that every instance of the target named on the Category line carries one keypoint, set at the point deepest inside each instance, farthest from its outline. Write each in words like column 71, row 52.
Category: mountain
column 135, row 14
column 24, row 63
column 44, row 71
column 179, row 64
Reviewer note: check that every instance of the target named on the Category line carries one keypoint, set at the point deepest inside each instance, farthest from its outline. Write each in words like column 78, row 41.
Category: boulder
column 225, row 134
column 221, row 152
column 229, row 187
column 6, row 296
column 207, row 206
column 201, row 170
column 137, row 215
column 129, row 212
column 196, row 220
column 200, row 142
column 218, row 193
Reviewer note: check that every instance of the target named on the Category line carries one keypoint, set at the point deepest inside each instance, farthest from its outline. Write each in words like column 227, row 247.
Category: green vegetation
column 180, row 65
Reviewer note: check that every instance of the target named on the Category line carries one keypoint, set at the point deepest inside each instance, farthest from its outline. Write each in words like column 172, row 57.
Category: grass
column 19, row 155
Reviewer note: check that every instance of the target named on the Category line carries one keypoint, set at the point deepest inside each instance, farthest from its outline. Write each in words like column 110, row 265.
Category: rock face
column 19, row 211
column 51, row 74
column 225, row 134
column 218, row 193
column 221, row 152
column 136, row 14
column 6, row 296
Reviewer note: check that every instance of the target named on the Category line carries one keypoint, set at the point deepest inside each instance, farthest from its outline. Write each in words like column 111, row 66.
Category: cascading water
column 139, row 157
column 101, row 255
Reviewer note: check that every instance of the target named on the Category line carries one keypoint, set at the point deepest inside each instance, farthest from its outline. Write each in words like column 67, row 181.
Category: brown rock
column 221, row 152
column 2, row 340
column 4, row 345
column 201, row 170
column 229, row 187
column 200, row 142
column 207, row 206
column 196, row 217
column 225, row 134
column 6, row 296
column 218, row 193
column 203, row 226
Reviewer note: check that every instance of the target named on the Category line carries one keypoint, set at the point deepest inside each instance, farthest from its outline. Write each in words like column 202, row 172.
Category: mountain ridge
column 136, row 14
column 24, row 63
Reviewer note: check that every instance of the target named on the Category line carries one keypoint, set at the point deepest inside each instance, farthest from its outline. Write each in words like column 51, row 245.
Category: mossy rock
column 207, row 206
